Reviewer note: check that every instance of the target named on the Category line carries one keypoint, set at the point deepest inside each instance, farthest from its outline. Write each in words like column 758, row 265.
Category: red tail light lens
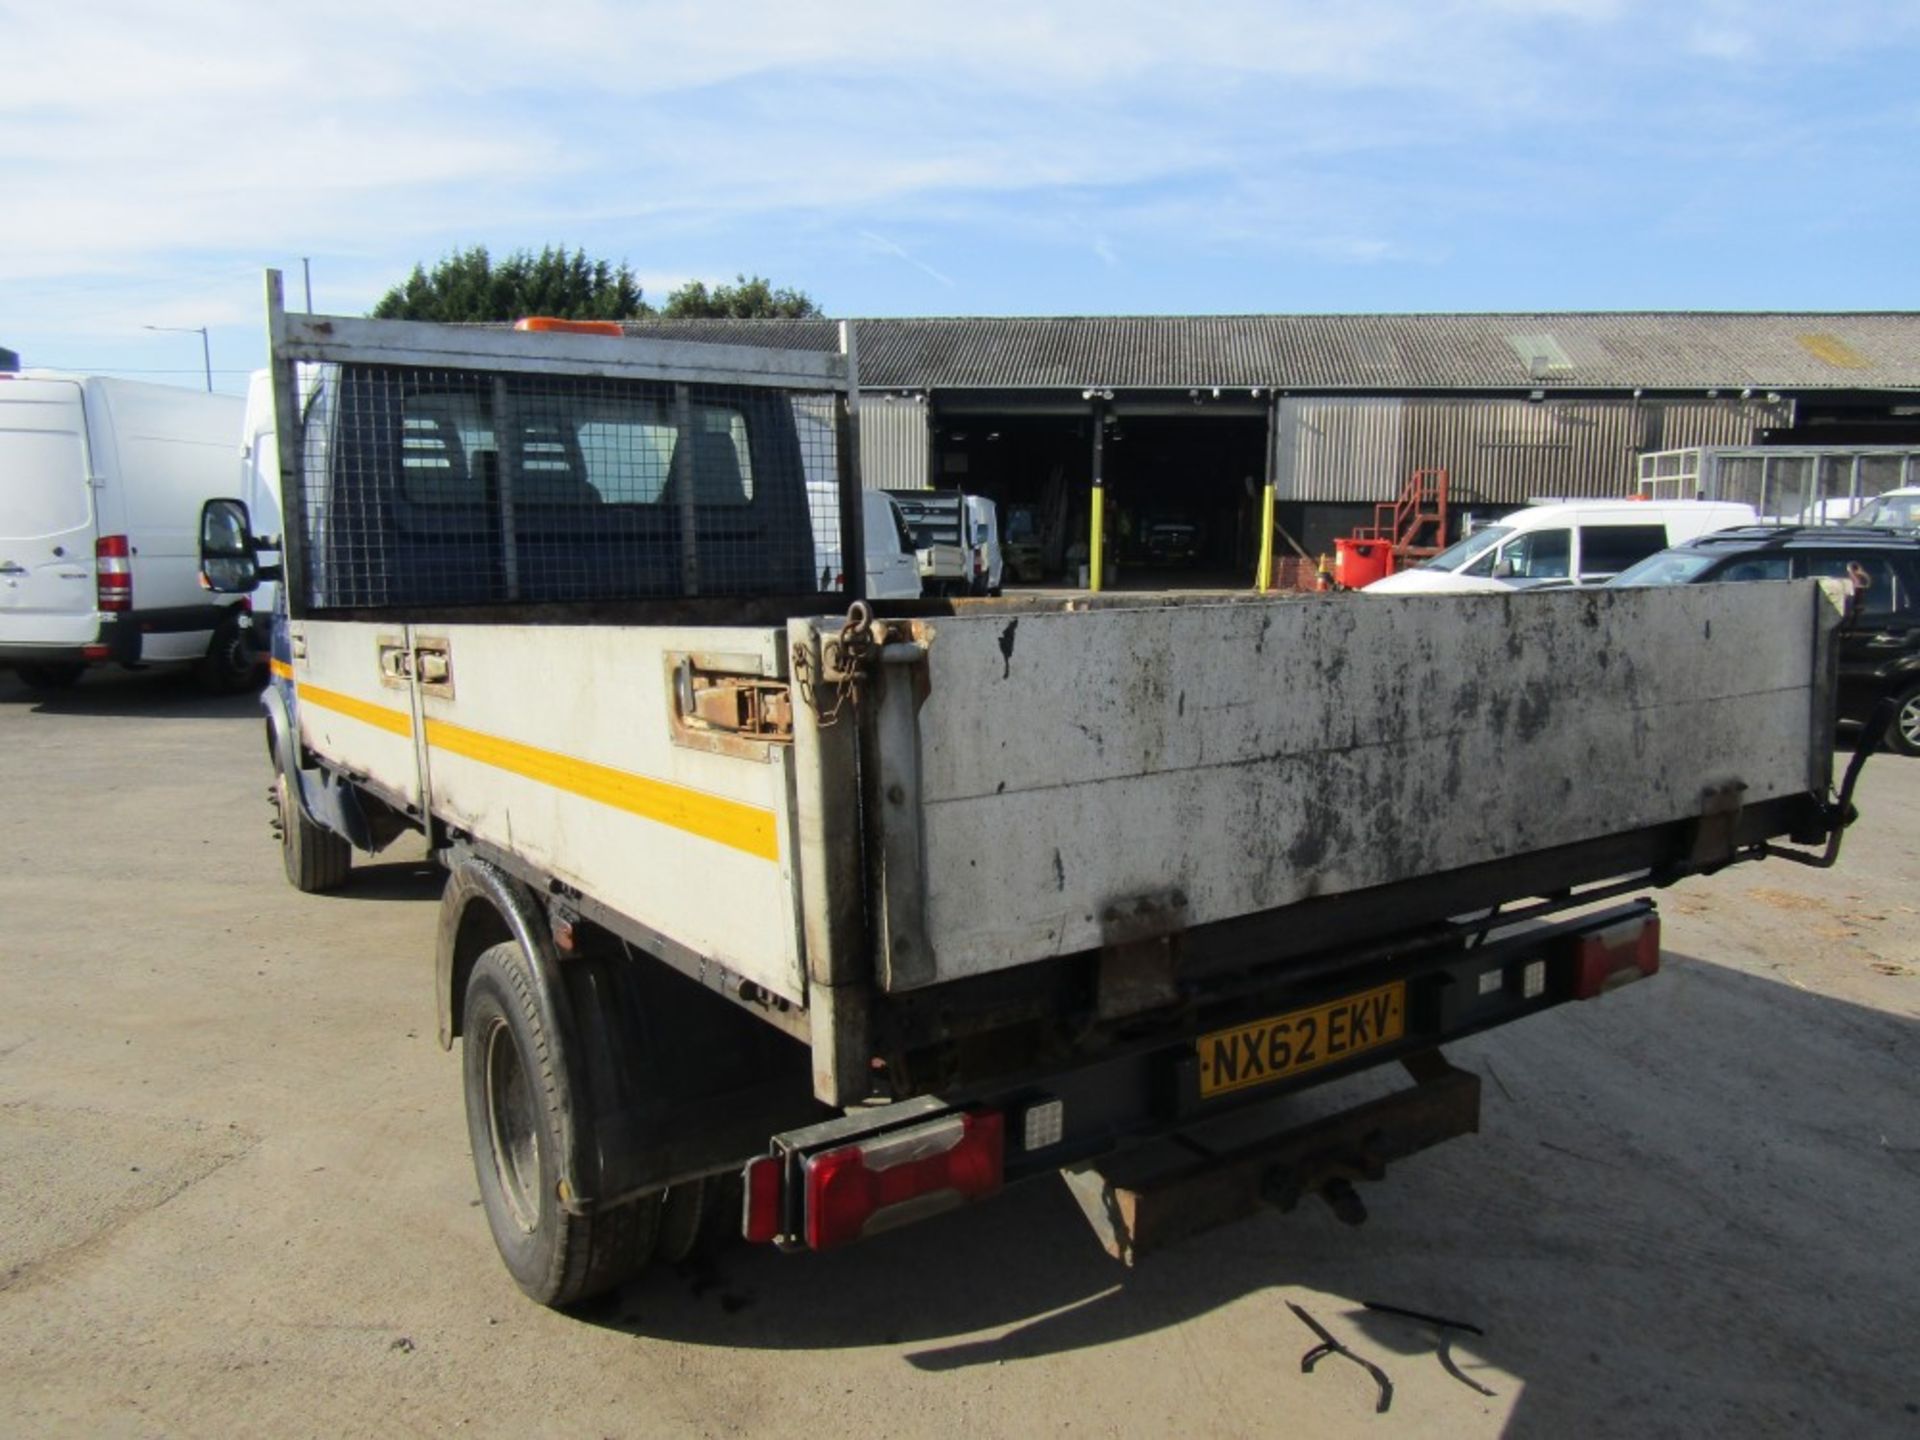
column 113, row 572
column 861, row 1189
column 760, row 1217
column 1617, row 956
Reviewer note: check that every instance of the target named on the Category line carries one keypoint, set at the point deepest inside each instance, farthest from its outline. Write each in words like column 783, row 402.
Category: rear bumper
column 1218, row 1067
column 119, row 638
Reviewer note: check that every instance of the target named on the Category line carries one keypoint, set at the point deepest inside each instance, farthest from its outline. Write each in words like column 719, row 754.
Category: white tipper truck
column 775, row 911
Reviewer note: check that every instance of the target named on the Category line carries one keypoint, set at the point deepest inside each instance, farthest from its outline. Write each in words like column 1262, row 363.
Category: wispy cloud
column 884, row 246
column 159, row 155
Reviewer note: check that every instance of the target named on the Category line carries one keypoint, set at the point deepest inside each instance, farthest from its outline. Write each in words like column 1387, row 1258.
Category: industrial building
column 1188, row 416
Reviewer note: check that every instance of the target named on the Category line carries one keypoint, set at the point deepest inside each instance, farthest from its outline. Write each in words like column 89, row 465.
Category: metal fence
column 1810, row 484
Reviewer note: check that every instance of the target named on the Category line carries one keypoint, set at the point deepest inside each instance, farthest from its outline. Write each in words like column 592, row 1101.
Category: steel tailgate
column 1080, row 777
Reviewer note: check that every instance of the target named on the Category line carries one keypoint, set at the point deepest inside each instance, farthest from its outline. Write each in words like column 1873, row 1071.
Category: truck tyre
column 316, row 859
column 230, row 665
column 50, row 677
column 1903, row 731
column 683, row 1217
column 516, row 1095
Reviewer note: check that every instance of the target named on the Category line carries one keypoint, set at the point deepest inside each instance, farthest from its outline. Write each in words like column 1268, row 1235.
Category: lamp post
column 206, row 347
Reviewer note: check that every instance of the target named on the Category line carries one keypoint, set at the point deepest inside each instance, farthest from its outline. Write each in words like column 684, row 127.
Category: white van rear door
column 893, row 570
column 46, row 516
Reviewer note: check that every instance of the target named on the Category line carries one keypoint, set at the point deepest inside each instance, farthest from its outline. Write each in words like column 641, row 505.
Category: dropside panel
column 558, row 745
column 354, row 701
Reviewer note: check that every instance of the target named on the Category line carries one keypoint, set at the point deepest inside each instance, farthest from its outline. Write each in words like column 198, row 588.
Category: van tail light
column 1616, row 956
column 113, row 572
column 861, row 1189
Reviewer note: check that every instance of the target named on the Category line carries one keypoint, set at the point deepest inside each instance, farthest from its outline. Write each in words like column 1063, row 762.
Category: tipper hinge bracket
column 1718, row 827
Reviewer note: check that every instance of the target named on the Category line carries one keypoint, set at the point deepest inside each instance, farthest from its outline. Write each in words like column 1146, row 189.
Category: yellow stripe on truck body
column 556, row 744
column 747, row 828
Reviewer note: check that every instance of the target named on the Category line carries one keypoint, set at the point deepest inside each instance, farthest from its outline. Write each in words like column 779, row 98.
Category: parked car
column 1575, row 542
column 99, row 516
column 1879, row 646
column 1895, row 510
column 1170, row 538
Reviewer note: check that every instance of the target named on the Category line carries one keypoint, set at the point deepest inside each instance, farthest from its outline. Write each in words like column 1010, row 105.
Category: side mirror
column 229, row 551
column 1506, row 568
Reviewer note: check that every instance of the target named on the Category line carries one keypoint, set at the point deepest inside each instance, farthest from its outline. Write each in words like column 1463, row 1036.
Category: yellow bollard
column 1263, row 579
column 1098, row 542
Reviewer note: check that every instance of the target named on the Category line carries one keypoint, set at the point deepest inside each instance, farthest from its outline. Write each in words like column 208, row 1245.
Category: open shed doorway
column 1183, row 499
column 1036, row 467
column 1182, row 490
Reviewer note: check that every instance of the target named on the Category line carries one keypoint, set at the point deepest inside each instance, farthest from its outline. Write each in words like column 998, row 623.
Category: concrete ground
column 237, row 1197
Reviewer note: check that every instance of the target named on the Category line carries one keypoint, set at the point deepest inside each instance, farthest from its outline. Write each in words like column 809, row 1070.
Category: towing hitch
column 1146, row 1200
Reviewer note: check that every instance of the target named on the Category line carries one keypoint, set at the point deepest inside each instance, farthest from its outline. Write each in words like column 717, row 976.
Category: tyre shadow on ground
column 170, row 692
column 413, row 881
column 1674, row 1188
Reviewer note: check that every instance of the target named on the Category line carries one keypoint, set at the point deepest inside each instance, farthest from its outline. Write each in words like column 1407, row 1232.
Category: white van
column 260, row 485
column 1568, row 543
column 101, row 484
column 983, row 533
column 893, row 569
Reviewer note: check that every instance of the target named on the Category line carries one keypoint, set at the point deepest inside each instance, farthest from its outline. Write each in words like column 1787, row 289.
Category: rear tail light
column 113, row 572
column 760, row 1216
column 1617, row 956
column 860, row 1189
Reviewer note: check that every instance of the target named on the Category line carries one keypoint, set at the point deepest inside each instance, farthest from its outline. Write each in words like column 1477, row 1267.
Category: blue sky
column 1027, row 158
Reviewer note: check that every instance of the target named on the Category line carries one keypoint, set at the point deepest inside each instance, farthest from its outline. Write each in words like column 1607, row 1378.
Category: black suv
column 1880, row 647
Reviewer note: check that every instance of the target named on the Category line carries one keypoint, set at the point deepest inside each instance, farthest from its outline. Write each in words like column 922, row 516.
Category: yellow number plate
column 1269, row 1050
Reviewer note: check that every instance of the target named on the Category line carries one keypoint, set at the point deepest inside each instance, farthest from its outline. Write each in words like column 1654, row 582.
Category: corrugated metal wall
column 1496, row 451
column 893, row 443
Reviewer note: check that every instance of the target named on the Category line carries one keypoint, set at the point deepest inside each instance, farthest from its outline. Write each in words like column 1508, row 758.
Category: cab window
column 1880, row 594
column 1756, row 567
column 1608, row 549
column 1537, row 555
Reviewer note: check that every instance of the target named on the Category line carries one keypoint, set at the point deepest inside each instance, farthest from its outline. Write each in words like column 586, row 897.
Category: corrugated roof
column 1395, row 353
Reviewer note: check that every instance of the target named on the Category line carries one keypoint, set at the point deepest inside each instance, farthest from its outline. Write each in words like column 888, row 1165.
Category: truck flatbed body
column 881, row 907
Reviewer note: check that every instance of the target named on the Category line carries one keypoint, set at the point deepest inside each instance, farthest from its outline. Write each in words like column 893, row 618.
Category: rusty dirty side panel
column 1087, row 780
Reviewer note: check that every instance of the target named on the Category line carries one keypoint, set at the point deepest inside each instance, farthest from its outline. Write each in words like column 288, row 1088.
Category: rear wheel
column 315, row 858
column 516, row 1094
column 1903, row 731
column 230, row 665
column 50, row 677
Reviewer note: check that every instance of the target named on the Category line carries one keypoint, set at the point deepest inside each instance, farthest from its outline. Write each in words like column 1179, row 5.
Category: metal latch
column 751, row 707
column 433, row 667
